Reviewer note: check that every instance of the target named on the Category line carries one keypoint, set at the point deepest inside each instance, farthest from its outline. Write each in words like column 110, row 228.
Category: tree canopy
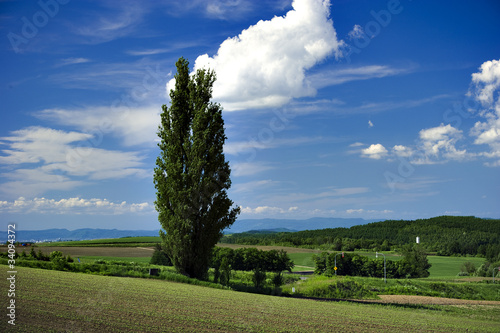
column 191, row 175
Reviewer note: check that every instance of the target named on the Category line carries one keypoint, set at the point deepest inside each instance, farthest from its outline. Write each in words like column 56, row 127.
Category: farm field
column 442, row 267
column 62, row 301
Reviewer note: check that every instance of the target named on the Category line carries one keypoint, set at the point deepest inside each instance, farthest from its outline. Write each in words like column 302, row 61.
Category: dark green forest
column 443, row 235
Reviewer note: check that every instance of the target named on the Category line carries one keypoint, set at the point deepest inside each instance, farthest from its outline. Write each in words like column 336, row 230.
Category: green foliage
column 337, row 288
column 160, row 257
column 446, row 235
column 249, row 259
column 468, row 267
column 225, row 271
column 278, row 279
column 259, row 276
column 413, row 264
column 191, row 175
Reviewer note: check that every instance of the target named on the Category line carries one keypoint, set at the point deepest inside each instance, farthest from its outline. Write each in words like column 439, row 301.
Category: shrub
column 160, row 257
column 277, row 279
column 258, row 278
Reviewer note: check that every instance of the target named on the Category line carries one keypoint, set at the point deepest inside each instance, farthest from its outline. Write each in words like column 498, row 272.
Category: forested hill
column 444, row 234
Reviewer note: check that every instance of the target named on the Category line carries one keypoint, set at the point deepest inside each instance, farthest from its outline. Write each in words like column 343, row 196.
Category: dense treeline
column 446, row 235
column 413, row 265
column 226, row 260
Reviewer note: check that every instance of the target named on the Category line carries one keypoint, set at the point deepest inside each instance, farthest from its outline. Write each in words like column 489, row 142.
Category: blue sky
column 372, row 109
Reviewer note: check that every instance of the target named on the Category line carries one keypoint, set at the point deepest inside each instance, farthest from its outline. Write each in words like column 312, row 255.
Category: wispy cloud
column 72, row 61
column 248, row 168
column 267, row 210
column 342, row 108
column 171, row 48
column 340, row 76
column 114, row 20
column 47, row 159
column 235, row 148
column 132, row 125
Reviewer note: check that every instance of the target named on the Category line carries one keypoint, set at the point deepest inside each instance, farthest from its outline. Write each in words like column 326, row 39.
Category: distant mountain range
column 79, row 234
column 295, row 225
column 268, row 225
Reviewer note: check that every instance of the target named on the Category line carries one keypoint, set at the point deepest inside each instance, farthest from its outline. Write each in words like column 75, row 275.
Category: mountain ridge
column 61, row 234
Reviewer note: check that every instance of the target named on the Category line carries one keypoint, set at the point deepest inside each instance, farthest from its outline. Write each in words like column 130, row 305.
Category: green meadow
column 53, row 301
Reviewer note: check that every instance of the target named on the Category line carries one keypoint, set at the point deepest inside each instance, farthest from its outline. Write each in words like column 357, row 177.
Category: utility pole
column 385, row 275
column 335, row 268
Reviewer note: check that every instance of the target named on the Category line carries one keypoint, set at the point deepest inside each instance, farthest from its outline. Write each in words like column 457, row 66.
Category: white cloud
column 268, row 210
column 227, row 9
column 485, row 88
column 251, row 186
column 435, row 145
column 375, row 151
column 133, row 125
column 49, row 159
column 73, row 206
column 356, row 144
column 114, row 20
column 402, row 151
column 338, row 76
column 248, row 168
column 486, row 82
column 356, row 32
column 38, row 144
column 235, row 148
column 438, row 143
column 370, row 124
column 72, row 61
column 266, row 64
column 370, row 211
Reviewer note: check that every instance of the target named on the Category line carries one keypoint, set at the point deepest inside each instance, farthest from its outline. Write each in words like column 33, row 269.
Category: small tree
column 160, row 257
column 415, row 263
column 225, row 271
column 191, row 175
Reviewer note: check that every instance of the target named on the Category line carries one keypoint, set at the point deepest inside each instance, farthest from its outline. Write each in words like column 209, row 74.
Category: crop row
column 62, row 301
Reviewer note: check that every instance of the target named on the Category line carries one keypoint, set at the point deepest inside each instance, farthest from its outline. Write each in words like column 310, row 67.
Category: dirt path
column 408, row 299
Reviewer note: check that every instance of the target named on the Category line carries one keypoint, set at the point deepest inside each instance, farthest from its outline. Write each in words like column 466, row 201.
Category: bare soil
column 108, row 251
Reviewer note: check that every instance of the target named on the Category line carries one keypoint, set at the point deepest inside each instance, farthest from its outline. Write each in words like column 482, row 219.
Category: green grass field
column 91, row 259
column 442, row 267
column 449, row 267
column 60, row 301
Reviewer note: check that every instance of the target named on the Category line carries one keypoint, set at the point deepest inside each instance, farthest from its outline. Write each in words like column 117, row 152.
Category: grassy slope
column 61, row 301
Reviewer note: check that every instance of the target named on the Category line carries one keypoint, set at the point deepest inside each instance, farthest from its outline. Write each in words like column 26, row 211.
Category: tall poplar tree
column 191, row 175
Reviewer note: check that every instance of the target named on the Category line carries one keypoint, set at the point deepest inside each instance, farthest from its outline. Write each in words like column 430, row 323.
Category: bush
column 277, row 279
column 258, row 278
column 160, row 257
column 338, row 288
